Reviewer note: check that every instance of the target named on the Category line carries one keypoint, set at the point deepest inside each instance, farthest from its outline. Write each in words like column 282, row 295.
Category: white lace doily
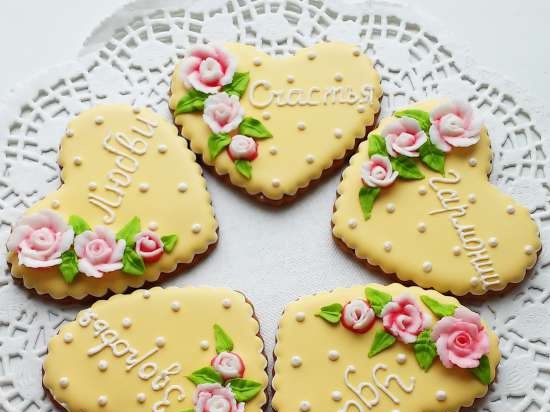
column 273, row 256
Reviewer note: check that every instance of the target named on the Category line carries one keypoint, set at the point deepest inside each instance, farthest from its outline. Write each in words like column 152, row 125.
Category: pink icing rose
column 404, row 319
column 243, row 147
column 207, row 68
column 40, row 239
column 358, row 316
column 403, row 137
column 222, row 113
column 149, row 246
column 98, row 252
column 229, row 365
column 378, row 172
column 454, row 124
column 212, row 397
column 460, row 339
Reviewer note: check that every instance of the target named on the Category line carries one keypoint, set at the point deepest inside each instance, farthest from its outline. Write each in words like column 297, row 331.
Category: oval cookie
column 133, row 204
column 160, row 350
column 381, row 348
column 416, row 201
column 273, row 125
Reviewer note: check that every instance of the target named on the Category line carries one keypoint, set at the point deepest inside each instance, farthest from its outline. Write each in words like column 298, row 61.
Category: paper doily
column 289, row 252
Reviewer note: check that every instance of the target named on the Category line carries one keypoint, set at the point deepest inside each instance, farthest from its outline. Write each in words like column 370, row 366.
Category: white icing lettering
column 151, row 126
column 147, row 370
column 164, row 377
column 161, row 405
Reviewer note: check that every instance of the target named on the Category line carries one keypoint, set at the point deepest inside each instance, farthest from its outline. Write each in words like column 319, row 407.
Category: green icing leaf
column 244, row 389
column 188, row 410
column 69, row 265
column 132, row 262
column 223, row 341
column 377, row 145
column 217, row 142
column 425, row 350
column 406, row 167
column 169, row 242
column 439, row 309
column 239, row 84
column 79, row 225
column 483, row 371
column 129, row 232
column 432, row 157
column 422, row 117
column 331, row 313
column 244, row 167
column 377, row 299
column 254, row 128
column 367, row 196
column 382, row 341
column 205, row 375
column 193, row 101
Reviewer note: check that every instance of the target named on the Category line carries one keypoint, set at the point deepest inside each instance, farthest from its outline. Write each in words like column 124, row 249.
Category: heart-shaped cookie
column 273, row 125
column 416, row 201
column 381, row 348
column 163, row 350
column 133, row 204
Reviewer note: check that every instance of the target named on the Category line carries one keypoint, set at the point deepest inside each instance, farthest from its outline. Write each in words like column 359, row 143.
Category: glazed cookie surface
column 416, row 201
column 160, row 350
column 381, row 348
column 133, row 205
column 273, row 125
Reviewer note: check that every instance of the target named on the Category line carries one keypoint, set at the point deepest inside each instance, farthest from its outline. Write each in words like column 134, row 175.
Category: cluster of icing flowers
column 215, row 88
column 44, row 240
column 458, row 338
column 221, row 386
column 415, row 134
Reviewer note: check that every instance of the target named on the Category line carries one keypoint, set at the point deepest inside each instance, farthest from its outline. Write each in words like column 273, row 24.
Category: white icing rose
column 378, row 172
column 222, row 113
column 454, row 124
column 243, row 147
column 212, row 397
column 229, row 365
column 403, row 137
column 358, row 316
column 207, row 68
column 98, row 252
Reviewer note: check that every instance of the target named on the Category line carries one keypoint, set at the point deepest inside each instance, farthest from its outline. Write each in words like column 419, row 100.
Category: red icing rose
column 149, row 246
column 358, row 316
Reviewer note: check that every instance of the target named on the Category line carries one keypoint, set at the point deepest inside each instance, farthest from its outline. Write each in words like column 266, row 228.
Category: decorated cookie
column 160, row 350
column 416, row 201
column 273, row 125
column 381, row 349
column 133, row 204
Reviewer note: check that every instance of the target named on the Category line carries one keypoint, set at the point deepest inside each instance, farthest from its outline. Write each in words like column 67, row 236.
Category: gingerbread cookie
column 133, row 204
column 416, row 201
column 273, row 125
column 160, row 350
column 381, row 348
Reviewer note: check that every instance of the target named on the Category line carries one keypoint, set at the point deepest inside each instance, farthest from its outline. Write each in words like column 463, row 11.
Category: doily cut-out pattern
column 129, row 58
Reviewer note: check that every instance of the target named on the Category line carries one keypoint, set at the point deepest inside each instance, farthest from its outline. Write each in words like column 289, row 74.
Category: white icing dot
column 333, row 355
column 273, row 150
column 387, row 246
column 182, row 187
column 310, row 158
column 160, row 342
column 311, row 55
column 99, row 120
column 352, row 223
column 336, row 396
column 510, row 209
column 64, row 382
column 401, row 358
column 357, row 52
column 361, row 109
column 136, row 110
column 472, row 198
column 493, row 242
column 421, row 227
column 266, row 115
column 441, row 395
column 68, row 337
column 143, row 187
column 126, row 323
column 55, row 204
column 162, row 148
column 153, row 226
column 474, row 280
column 141, row 397
column 472, row 161
column 204, row 345
column 390, row 207
column 456, row 250
column 102, row 365
column 422, row 190
column 69, row 133
column 196, row 228
column 296, row 361
column 226, row 303
column 427, row 266
column 528, row 249
column 257, row 61
column 338, row 77
column 305, row 406
column 338, row 133
column 276, row 183
column 300, row 317
column 102, row 400
column 301, row 125
column 175, row 306
column 92, row 186
column 290, row 78
column 77, row 161
column 146, row 294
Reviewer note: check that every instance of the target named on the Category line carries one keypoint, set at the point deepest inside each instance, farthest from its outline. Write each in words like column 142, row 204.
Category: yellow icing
column 151, row 318
column 301, row 155
column 317, row 377
column 172, row 210
column 411, row 248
